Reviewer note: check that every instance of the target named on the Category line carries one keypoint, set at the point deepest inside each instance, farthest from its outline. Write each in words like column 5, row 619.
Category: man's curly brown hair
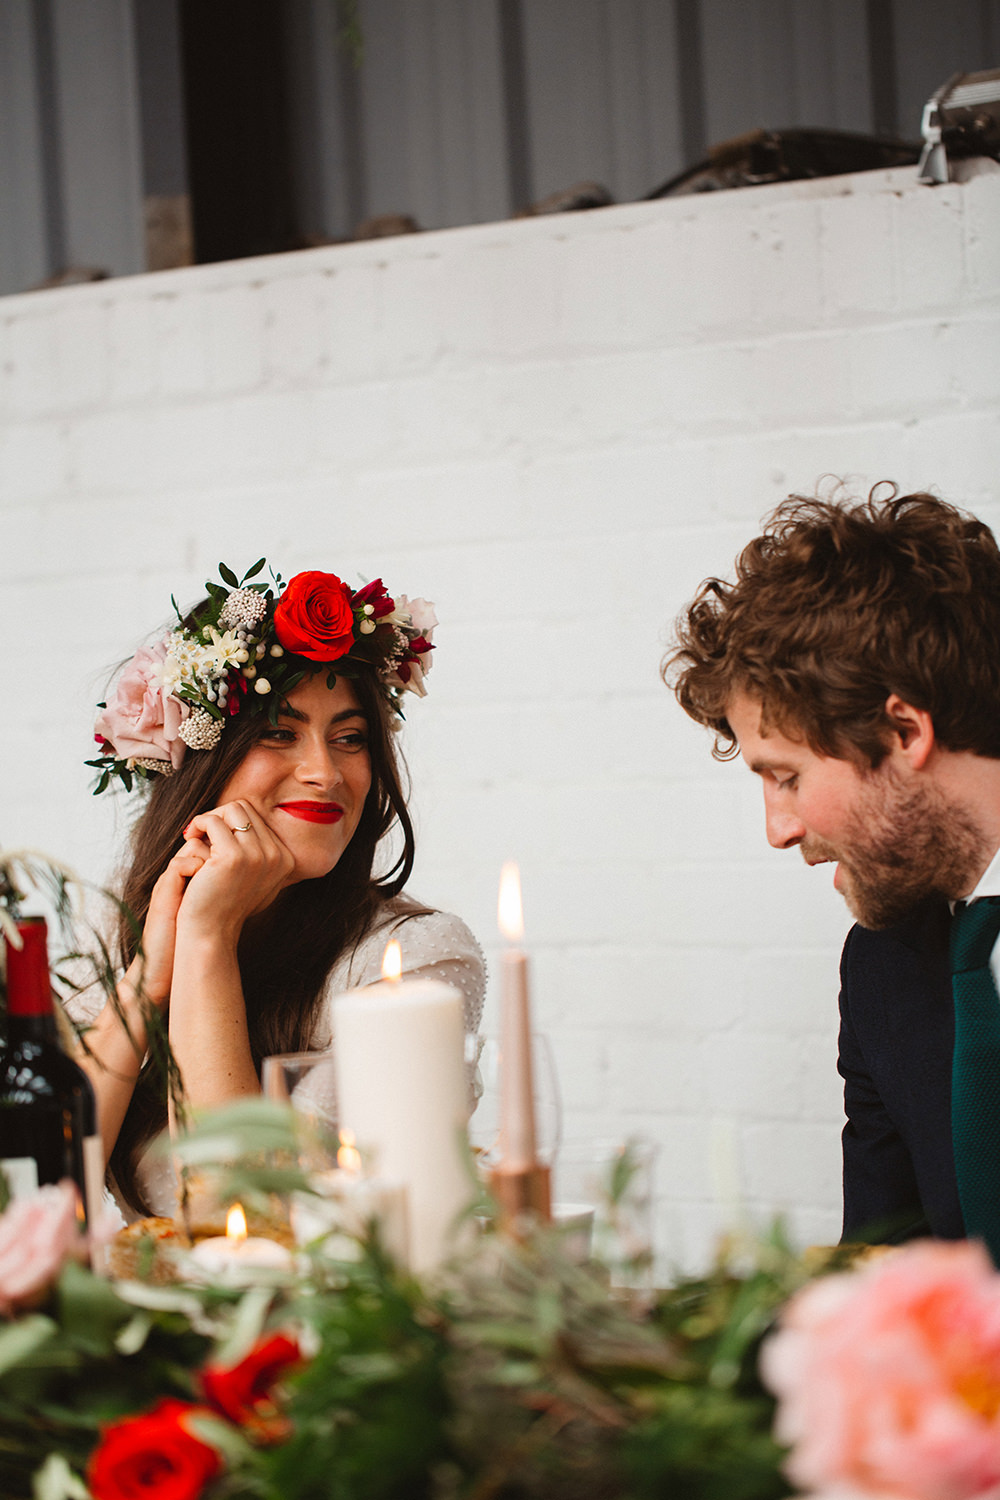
column 835, row 606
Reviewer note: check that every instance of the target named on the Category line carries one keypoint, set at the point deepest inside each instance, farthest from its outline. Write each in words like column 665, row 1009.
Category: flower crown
column 243, row 652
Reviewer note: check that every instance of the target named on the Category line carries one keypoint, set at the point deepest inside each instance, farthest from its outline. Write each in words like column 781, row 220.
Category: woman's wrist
column 135, row 991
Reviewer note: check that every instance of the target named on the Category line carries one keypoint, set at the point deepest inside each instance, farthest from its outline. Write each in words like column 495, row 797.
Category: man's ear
column 912, row 730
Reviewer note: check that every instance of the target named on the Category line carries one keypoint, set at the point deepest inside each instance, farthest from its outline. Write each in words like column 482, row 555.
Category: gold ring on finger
column 243, row 828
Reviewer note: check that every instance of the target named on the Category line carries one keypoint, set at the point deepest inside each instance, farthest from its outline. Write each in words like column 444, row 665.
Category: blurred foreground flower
column 37, row 1236
column 888, row 1378
column 154, row 1454
column 245, row 1392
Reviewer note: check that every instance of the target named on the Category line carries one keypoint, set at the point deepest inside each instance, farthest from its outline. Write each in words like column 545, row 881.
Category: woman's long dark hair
column 286, row 952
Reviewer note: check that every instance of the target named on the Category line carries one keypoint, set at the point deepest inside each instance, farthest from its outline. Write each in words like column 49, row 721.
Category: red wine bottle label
column 21, row 1174
column 29, row 992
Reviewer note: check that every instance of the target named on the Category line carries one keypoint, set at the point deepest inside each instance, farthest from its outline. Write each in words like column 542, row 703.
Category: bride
column 261, row 728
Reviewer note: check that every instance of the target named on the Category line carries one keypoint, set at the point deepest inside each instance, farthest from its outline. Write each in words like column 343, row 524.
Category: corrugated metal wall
column 460, row 111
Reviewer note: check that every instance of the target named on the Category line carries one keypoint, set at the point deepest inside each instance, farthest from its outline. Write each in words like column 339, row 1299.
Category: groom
column 855, row 665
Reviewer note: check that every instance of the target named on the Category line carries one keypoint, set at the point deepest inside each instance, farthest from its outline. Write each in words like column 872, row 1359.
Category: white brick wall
column 555, row 428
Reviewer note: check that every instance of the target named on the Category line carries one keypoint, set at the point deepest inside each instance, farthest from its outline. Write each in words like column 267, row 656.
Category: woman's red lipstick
column 313, row 812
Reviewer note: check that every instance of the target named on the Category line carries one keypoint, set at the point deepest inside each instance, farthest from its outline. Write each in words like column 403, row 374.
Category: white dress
column 437, row 945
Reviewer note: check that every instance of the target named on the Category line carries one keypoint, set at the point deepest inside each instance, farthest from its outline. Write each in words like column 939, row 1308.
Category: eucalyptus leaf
column 21, row 1341
column 247, row 1325
column 55, row 1480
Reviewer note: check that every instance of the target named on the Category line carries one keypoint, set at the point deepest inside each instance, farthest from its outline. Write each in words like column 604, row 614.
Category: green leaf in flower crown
column 252, row 572
column 228, row 576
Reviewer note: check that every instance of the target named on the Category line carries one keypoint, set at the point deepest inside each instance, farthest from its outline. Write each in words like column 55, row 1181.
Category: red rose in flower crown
column 244, row 1392
column 153, row 1454
column 314, row 617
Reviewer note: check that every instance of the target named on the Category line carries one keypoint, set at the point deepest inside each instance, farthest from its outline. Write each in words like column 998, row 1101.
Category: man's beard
column 906, row 844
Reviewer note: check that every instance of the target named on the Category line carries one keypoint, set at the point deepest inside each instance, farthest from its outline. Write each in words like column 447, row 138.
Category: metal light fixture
column 961, row 119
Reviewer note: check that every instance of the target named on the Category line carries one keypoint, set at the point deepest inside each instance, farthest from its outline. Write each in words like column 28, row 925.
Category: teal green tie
column 975, row 1072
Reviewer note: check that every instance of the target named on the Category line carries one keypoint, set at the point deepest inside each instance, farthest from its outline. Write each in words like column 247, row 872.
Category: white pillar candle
column 400, row 1051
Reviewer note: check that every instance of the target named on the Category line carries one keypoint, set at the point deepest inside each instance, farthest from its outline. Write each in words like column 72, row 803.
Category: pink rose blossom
column 888, row 1378
column 37, row 1235
column 421, row 613
column 141, row 718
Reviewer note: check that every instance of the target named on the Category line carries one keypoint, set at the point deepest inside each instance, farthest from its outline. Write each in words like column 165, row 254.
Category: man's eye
column 789, row 784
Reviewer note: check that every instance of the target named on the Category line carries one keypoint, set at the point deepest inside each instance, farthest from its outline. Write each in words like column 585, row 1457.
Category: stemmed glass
column 306, row 1080
column 484, row 1127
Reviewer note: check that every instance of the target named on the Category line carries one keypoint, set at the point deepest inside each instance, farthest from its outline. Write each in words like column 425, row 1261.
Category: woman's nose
column 318, row 765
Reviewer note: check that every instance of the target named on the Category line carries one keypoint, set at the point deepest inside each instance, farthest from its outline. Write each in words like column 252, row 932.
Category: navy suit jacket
column 897, row 1033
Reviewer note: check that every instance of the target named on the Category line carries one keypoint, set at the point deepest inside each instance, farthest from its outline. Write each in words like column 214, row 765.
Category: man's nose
column 784, row 828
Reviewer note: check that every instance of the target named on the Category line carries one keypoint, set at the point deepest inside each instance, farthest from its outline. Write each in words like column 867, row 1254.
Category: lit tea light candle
column 348, row 1155
column 236, row 1255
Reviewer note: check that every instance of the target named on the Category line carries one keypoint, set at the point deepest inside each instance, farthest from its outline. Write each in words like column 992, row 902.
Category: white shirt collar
column 989, row 883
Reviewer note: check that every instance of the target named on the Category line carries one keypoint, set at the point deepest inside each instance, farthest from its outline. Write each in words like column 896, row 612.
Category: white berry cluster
column 244, row 607
column 200, row 731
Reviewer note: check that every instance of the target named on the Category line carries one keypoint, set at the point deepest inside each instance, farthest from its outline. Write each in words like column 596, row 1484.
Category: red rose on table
column 243, row 1392
column 153, row 1454
column 314, row 618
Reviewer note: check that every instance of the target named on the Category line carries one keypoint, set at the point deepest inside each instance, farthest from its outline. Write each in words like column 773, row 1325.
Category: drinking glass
column 616, row 1180
column 484, row 1127
column 307, row 1082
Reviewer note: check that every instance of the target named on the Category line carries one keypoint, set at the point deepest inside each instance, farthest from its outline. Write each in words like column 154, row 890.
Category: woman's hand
column 242, row 867
column 151, row 972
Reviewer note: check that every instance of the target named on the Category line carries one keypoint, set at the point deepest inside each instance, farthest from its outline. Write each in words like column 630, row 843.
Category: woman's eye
column 279, row 736
column 356, row 739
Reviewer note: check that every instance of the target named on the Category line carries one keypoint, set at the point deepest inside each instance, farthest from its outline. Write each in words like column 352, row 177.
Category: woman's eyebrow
column 288, row 712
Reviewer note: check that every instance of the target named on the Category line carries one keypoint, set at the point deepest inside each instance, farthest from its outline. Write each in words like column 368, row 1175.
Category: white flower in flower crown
column 222, row 653
column 169, row 675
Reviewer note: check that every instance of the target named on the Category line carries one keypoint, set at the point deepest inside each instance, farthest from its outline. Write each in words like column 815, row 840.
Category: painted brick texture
column 555, row 429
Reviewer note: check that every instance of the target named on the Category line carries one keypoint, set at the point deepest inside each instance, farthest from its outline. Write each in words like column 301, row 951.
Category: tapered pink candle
column 517, row 1092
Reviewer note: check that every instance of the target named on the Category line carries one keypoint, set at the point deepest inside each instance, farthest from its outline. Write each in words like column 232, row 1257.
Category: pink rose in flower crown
column 888, row 1378
column 37, row 1236
column 410, row 672
column 314, row 617
column 141, row 719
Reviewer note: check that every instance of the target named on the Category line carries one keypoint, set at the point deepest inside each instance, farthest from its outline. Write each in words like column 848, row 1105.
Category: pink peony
column 37, row 1235
column 142, row 719
column 888, row 1378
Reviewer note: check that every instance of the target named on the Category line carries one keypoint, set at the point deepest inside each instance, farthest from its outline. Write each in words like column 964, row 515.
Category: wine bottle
column 48, row 1118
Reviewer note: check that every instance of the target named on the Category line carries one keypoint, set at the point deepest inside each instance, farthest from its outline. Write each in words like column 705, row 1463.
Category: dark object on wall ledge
column 569, row 200
column 961, row 119
column 786, row 156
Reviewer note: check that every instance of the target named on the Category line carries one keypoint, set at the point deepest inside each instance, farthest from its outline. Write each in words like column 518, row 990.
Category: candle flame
column 392, row 963
column 509, row 913
column 348, row 1155
column 236, row 1223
